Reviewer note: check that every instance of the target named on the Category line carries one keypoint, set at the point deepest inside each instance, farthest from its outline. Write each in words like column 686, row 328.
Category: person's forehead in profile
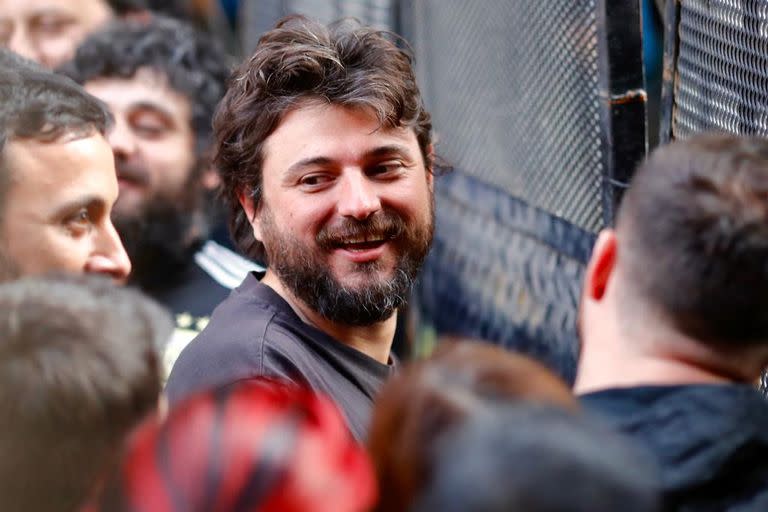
column 48, row 31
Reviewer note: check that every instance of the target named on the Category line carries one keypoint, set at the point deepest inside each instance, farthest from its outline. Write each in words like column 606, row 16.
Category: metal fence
column 716, row 62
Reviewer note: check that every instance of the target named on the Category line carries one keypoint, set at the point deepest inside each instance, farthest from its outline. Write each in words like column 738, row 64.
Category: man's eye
column 52, row 25
column 314, row 180
column 149, row 130
column 79, row 222
column 384, row 168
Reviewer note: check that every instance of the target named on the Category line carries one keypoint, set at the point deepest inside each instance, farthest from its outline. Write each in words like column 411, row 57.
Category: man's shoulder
column 247, row 333
column 241, row 320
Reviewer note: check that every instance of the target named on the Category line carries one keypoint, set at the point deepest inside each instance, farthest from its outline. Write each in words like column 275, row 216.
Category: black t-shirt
column 193, row 289
column 254, row 332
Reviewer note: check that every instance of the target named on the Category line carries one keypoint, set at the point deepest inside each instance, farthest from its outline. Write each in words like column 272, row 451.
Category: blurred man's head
column 162, row 81
column 430, row 397
column 48, row 31
column 537, row 459
column 78, row 369
column 684, row 273
column 57, row 178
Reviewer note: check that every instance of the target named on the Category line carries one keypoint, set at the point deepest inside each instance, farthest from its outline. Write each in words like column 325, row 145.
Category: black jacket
column 710, row 441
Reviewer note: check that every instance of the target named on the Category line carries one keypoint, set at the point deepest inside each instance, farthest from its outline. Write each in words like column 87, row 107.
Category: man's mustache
column 133, row 173
column 382, row 225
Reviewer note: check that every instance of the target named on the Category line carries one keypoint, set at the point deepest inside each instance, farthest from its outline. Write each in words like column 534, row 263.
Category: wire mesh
column 258, row 16
column 722, row 68
column 513, row 89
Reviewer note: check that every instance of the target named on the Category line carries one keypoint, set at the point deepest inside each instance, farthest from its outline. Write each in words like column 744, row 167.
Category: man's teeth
column 363, row 240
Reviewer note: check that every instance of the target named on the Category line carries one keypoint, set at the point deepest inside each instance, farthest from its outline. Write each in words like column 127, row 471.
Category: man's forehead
column 71, row 153
column 147, row 86
column 31, row 8
column 320, row 126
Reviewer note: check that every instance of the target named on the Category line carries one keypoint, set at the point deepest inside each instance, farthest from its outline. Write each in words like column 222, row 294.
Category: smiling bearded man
column 325, row 154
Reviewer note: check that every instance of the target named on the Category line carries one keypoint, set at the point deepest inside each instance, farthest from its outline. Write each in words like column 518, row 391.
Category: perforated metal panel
column 522, row 102
column 504, row 272
column 258, row 16
column 513, row 89
column 721, row 79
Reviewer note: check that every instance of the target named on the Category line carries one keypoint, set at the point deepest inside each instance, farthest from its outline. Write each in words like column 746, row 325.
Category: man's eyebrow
column 49, row 11
column 378, row 152
column 152, row 107
column 389, row 150
column 88, row 202
column 308, row 162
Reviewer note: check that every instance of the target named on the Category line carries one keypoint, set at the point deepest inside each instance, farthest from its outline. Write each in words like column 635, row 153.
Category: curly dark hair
column 344, row 64
column 194, row 64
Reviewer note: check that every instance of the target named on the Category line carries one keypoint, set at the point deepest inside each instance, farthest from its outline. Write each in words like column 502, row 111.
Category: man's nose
column 121, row 138
column 109, row 256
column 358, row 196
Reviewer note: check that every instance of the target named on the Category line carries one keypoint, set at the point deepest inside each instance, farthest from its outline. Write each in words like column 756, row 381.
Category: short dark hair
column 342, row 64
column 79, row 367
column 538, row 459
column 194, row 64
column 38, row 104
column 693, row 237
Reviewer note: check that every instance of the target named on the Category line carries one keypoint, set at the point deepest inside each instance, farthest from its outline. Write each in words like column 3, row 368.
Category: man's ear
column 210, row 179
column 245, row 198
column 601, row 265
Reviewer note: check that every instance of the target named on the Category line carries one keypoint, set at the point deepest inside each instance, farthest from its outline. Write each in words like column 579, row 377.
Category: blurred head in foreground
column 537, row 459
column 78, row 370
column 256, row 446
column 462, row 379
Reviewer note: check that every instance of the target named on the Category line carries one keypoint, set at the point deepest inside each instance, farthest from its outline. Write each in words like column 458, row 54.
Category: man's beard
column 307, row 276
column 161, row 232
column 158, row 240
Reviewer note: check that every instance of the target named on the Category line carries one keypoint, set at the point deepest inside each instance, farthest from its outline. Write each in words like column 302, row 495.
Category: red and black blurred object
column 257, row 446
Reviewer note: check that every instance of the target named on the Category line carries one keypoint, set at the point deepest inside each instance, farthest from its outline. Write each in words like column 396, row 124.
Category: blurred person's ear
column 601, row 266
column 210, row 179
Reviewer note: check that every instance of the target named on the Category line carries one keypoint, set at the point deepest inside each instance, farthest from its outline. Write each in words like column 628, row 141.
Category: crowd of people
column 150, row 363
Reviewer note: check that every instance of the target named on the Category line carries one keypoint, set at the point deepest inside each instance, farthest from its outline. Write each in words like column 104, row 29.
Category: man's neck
column 625, row 363
column 643, row 371
column 374, row 340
